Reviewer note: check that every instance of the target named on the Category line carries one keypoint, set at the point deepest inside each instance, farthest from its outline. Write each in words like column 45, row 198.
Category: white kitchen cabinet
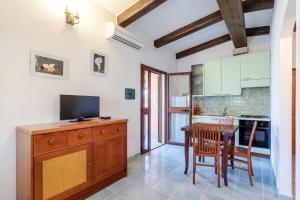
column 198, row 80
column 255, row 70
column 213, row 78
column 231, row 76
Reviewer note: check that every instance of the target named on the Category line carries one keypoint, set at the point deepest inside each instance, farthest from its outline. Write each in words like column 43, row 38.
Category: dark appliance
column 262, row 136
column 79, row 108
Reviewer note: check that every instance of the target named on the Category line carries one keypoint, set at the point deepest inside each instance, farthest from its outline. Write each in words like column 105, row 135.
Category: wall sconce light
column 72, row 17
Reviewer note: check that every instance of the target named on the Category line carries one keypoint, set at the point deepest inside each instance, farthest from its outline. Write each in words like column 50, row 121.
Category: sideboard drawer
column 109, row 131
column 51, row 142
column 80, row 136
column 121, row 128
column 104, row 132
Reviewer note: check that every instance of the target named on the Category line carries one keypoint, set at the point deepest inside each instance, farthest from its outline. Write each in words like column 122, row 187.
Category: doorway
column 179, row 105
column 153, row 109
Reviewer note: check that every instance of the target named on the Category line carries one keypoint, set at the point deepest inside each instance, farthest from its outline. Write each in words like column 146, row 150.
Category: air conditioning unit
column 119, row 34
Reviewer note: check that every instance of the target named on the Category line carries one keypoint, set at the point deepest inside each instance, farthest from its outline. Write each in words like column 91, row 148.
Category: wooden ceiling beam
column 257, row 5
column 233, row 15
column 255, row 31
column 206, row 21
column 213, row 18
column 137, row 10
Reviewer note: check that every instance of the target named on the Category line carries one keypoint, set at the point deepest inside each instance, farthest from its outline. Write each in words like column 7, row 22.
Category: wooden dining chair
column 226, row 120
column 243, row 156
column 206, row 143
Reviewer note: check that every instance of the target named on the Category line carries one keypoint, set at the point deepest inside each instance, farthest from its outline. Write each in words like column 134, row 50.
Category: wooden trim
column 149, row 113
column 255, row 31
column 233, row 15
column 137, row 10
column 148, row 110
column 146, row 67
column 142, row 110
column 159, row 109
column 167, row 108
column 215, row 17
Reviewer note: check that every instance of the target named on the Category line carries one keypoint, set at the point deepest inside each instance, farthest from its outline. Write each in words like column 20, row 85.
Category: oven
column 262, row 136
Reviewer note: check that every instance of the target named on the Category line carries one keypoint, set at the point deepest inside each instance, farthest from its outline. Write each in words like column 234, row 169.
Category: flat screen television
column 79, row 108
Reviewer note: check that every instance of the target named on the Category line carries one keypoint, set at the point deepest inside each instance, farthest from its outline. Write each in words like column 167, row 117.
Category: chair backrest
column 252, row 136
column 206, row 139
column 226, row 120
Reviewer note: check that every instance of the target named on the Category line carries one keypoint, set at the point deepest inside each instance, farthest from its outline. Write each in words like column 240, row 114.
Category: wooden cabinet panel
column 59, row 173
column 212, row 78
column 51, row 142
column 231, row 76
column 80, row 136
column 113, row 152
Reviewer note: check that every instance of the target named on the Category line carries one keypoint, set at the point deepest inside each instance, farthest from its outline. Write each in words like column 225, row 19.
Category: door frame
column 142, row 111
column 178, row 110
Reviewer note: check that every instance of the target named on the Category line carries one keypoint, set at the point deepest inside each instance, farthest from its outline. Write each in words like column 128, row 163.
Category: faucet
column 225, row 111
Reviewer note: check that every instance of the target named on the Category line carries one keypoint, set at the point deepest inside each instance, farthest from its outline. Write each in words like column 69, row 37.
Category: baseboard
column 131, row 158
column 283, row 197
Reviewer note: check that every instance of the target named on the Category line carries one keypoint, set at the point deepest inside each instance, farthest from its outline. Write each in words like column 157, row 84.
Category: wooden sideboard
column 70, row 160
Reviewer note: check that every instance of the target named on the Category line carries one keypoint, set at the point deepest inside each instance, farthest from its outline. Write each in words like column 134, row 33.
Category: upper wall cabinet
column 198, row 80
column 255, row 70
column 231, row 76
column 213, row 78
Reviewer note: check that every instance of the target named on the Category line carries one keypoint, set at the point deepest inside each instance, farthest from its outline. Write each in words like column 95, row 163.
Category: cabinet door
column 110, row 156
column 256, row 70
column 62, row 173
column 212, row 78
column 198, row 80
column 231, row 76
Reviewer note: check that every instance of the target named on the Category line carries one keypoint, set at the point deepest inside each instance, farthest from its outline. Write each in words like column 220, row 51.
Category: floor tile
column 158, row 175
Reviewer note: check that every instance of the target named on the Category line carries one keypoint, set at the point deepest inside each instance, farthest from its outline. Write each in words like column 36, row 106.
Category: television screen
column 79, row 107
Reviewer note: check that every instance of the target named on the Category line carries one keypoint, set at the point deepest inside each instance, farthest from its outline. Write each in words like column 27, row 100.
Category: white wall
column 256, row 44
column 281, row 93
column 25, row 99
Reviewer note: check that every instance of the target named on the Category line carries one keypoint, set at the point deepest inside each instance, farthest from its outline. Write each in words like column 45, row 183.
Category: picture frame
column 48, row 66
column 98, row 63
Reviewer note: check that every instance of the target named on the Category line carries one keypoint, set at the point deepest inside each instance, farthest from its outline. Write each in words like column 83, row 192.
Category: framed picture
column 46, row 65
column 98, row 63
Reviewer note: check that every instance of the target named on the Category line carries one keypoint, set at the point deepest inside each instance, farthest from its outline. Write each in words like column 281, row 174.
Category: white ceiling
column 174, row 14
column 115, row 6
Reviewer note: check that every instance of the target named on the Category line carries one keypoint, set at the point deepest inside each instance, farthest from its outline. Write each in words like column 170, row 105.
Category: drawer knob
column 119, row 128
column 52, row 141
column 80, row 136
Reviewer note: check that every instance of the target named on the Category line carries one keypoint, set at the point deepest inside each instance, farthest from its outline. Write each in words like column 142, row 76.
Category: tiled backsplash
column 255, row 101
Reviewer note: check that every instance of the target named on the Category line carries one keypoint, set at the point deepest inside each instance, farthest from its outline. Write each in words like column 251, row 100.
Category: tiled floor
column 158, row 175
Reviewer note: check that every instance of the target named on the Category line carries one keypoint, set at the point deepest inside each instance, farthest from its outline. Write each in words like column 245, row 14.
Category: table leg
column 225, row 160
column 186, row 151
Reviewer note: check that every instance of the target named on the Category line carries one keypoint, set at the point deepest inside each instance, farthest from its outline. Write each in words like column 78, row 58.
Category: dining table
column 228, row 133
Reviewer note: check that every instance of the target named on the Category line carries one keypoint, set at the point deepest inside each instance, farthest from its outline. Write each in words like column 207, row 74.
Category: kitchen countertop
column 235, row 117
